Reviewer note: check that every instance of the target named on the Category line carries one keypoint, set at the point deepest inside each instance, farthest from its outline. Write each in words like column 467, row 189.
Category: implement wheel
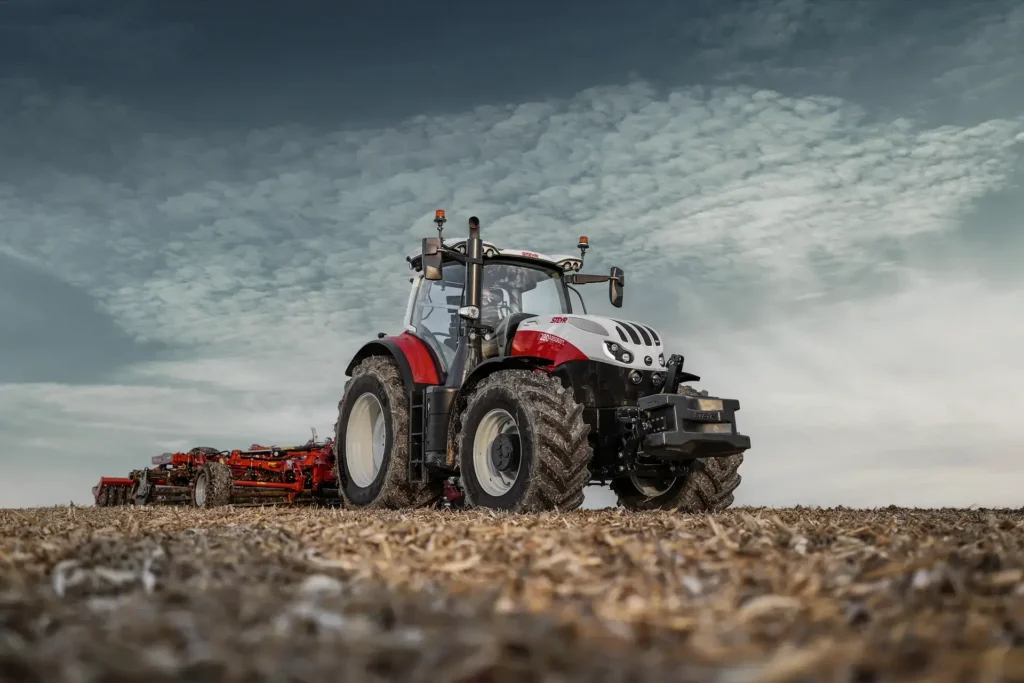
column 212, row 486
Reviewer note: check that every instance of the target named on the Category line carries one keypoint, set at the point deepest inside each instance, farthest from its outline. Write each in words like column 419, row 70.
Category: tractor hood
column 608, row 340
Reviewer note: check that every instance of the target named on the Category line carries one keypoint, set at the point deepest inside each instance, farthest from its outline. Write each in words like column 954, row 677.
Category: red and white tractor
column 499, row 394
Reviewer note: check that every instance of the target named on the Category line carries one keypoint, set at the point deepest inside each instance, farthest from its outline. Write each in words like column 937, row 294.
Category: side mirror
column 615, row 286
column 431, row 258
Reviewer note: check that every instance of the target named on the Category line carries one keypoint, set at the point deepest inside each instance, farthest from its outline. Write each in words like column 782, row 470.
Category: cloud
column 756, row 228
column 945, row 61
column 732, row 178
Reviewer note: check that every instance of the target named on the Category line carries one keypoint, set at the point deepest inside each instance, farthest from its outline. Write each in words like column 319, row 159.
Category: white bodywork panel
column 641, row 340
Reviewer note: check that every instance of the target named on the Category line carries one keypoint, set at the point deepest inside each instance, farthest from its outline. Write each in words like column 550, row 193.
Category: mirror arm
column 416, row 262
column 455, row 256
column 587, row 279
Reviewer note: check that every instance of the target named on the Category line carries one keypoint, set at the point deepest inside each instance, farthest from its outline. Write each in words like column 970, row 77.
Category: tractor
column 499, row 394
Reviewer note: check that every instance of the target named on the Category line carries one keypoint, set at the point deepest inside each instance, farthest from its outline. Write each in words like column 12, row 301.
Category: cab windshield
column 510, row 288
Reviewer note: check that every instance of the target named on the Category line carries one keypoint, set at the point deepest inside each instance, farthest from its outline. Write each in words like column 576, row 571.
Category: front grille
column 632, row 333
column 643, row 333
column 636, row 332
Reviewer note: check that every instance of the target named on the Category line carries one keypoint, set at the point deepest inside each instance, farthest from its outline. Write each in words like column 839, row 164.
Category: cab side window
column 435, row 312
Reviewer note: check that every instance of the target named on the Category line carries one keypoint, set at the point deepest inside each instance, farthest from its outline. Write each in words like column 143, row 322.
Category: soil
column 264, row 594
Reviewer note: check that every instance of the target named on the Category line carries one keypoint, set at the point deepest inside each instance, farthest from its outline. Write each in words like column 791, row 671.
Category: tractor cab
column 513, row 289
column 504, row 288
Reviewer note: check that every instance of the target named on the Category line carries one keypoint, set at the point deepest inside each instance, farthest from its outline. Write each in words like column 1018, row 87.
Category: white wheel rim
column 201, row 490
column 365, row 440
column 493, row 481
column 652, row 487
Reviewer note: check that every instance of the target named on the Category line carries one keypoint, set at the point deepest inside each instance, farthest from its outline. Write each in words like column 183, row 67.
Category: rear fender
column 416, row 361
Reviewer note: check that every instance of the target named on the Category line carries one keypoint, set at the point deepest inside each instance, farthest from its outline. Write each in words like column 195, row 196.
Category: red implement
column 207, row 477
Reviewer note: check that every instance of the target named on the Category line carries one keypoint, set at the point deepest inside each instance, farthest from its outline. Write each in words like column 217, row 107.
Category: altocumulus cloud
column 755, row 228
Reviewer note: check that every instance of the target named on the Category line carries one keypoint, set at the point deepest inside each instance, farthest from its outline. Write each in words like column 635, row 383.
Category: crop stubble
column 99, row 594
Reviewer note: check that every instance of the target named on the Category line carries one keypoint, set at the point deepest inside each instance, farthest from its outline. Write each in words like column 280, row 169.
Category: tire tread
column 563, row 452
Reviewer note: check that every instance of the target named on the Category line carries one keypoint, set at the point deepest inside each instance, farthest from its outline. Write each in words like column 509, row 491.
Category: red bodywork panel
column 545, row 345
column 419, row 357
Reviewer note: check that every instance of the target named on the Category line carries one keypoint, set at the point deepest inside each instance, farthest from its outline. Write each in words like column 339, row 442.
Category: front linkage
column 667, row 430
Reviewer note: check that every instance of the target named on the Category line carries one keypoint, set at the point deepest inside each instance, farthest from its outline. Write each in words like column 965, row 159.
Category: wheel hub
column 365, row 439
column 505, row 452
column 652, row 487
column 496, row 452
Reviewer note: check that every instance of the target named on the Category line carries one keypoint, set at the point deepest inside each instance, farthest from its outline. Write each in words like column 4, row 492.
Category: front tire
column 523, row 444
column 212, row 486
column 372, row 440
column 707, row 486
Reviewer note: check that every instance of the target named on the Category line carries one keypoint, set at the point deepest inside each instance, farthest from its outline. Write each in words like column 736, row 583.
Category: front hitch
column 682, row 427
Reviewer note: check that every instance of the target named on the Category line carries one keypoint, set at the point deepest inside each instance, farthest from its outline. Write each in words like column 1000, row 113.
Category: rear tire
column 212, row 486
column 372, row 441
column 543, row 456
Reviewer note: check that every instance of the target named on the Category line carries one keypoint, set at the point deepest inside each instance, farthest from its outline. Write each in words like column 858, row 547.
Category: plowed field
column 100, row 594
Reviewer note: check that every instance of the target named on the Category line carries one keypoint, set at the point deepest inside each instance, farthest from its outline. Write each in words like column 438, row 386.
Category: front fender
column 480, row 372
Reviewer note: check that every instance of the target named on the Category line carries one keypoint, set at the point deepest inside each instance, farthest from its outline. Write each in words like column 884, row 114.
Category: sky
column 205, row 209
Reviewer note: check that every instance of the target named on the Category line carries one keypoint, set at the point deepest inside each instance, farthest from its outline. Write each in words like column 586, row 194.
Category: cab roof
column 563, row 262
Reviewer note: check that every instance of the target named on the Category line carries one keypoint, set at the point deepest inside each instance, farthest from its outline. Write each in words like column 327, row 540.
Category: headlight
column 616, row 352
